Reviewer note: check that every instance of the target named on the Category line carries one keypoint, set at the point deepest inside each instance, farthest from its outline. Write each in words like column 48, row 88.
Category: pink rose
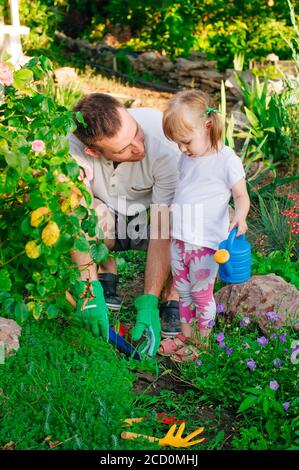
column 88, row 173
column 62, row 178
column 38, row 146
column 6, row 75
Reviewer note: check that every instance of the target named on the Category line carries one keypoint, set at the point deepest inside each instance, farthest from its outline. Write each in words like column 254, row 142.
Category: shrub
column 41, row 218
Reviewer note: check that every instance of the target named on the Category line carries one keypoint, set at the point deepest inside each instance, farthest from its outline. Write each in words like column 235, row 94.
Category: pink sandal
column 187, row 353
column 170, row 345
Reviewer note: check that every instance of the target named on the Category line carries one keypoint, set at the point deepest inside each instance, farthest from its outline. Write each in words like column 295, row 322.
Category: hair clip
column 209, row 111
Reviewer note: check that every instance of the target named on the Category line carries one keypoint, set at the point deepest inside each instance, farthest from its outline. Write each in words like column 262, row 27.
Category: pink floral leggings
column 194, row 273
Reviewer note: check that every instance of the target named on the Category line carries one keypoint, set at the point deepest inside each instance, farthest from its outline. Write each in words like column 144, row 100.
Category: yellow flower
column 50, row 234
column 73, row 201
column 37, row 216
column 32, row 250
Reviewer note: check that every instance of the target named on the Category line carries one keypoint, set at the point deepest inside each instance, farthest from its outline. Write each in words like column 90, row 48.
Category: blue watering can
column 234, row 258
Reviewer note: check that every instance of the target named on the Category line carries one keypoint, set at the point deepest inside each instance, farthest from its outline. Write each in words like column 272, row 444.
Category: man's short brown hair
column 101, row 114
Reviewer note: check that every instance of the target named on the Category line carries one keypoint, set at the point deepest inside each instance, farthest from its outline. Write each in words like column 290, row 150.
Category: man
column 134, row 167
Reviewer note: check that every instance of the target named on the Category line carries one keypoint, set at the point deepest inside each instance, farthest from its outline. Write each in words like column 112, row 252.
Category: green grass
column 65, row 384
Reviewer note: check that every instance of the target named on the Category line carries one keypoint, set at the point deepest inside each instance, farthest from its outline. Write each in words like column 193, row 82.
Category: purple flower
column 286, row 405
column 273, row 335
column 283, row 338
column 286, row 350
column 220, row 308
column 229, row 351
column 245, row 321
column 222, row 345
column 251, row 364
column 199, row 363
column 295, row 348
column 277, row 363
column 274, row 385
column 211, row 323
column 262, row 341
column 220, row 337
column 272, row 316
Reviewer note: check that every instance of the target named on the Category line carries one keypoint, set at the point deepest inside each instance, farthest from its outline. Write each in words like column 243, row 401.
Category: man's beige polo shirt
column 150, row 181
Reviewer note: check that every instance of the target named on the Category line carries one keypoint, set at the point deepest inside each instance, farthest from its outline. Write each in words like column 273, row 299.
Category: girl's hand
column 240, row 223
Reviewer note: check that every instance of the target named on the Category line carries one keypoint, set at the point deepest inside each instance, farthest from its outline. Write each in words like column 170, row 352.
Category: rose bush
column 42, row 218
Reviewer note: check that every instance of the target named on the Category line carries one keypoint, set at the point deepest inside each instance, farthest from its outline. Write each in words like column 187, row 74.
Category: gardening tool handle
column 133, row 435
column 70, row 299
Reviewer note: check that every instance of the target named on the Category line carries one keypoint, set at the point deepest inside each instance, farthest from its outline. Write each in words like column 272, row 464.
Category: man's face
column 126, row 146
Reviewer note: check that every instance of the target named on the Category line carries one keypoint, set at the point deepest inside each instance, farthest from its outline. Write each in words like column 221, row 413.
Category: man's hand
column 147, row 322
column 92, row 310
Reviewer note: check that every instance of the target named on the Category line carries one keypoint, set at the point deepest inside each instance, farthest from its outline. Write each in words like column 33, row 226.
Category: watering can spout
column 222, row 257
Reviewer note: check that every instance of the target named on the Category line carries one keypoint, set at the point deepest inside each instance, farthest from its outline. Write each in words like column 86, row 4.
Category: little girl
column 209, row 172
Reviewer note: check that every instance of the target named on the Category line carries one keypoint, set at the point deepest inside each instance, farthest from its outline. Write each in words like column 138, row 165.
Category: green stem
column 9, row 261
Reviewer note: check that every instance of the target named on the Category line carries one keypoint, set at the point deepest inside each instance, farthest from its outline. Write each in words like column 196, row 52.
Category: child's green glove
column 92, row 310
column 147, row 322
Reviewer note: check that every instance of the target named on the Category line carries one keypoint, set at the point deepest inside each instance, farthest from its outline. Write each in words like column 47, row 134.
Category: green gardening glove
column 147, row 322
column 92, row 310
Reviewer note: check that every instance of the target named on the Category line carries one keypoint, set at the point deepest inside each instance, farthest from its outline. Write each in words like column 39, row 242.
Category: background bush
column 219, row 28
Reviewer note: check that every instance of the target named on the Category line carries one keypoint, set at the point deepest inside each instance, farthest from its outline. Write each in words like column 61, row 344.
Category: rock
column 9, row 335
column 186, row 64
column 207, row 74
column 260, row 295
column 233, row 85
column 272, row 57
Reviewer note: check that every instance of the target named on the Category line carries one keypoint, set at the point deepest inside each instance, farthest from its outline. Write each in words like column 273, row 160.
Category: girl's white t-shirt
column 199, row 211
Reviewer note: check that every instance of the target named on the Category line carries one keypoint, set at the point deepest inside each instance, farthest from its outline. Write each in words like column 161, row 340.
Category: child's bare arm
column 242, row 204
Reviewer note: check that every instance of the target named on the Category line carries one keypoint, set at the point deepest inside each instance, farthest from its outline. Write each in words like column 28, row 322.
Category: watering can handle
column 232, row 237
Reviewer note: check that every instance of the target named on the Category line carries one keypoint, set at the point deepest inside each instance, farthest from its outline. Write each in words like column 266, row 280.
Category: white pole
column 15, row 45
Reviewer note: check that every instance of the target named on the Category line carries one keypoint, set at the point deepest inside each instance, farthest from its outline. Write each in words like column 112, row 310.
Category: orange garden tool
column 172, row 438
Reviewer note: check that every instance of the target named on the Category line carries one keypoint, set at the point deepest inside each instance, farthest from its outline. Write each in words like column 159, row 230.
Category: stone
column 9, row 335
column 232, row 84
column 186, row 64
column 260, row 295
column 207, row 74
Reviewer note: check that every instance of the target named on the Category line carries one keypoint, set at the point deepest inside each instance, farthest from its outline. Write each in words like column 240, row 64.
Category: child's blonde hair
column 197, row 105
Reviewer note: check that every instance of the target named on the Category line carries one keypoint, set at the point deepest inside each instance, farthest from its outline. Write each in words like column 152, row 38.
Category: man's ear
column 92, row 152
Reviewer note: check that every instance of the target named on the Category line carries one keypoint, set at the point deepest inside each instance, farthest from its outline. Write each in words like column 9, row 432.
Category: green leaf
column 72, row 169
column 17, row 161
column 81, row 212
column 81, row 245
column 80, row 118
column 99, row 253
column 252, row 118
column 22, row 78
column 5, row 281
column 35, row 309
column 247, row 403
column 277, row 407
column 21, row 312
column 52, row 311
column 270, row 426
column 266, row 405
